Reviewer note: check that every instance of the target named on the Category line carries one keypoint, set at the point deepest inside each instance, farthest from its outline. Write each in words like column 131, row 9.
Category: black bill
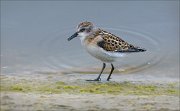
column 73, row 36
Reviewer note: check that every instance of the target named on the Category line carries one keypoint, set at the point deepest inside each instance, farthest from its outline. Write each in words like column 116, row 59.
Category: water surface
column 34, row 36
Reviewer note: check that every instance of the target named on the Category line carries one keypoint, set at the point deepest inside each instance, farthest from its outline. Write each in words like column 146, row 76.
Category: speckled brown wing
column 113, row 43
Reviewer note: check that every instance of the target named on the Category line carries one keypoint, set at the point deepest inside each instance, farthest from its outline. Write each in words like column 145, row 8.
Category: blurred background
column 34, row 36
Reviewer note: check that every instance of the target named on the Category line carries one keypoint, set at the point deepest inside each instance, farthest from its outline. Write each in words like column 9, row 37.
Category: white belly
column 102, row 55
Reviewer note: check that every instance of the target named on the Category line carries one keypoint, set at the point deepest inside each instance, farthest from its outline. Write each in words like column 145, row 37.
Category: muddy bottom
column 59, row 92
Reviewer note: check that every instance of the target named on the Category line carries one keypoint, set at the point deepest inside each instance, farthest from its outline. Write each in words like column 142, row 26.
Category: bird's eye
column 83, row 29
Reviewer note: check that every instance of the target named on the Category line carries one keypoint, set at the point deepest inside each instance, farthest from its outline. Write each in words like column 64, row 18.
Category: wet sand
column 87, row 102
column 25, row 92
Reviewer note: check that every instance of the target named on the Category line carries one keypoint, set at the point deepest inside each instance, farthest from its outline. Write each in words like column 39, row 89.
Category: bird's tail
column 138, row 49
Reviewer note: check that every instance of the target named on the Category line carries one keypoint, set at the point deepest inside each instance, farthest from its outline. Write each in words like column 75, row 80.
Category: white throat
column 82, row 36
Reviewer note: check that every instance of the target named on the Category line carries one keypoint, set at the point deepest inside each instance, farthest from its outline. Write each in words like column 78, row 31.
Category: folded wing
column 113, row 43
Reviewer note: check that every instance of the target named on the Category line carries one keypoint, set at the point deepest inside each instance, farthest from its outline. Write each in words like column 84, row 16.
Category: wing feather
column 113, row 43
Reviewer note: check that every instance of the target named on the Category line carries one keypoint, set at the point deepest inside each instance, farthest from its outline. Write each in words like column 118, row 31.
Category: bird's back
column 110, row 42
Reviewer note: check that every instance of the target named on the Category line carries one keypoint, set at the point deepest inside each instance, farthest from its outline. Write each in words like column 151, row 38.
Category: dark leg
column 112, row 69
column 99, row 77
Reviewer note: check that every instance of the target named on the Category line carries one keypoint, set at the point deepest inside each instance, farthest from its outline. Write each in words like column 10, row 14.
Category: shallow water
column 34, row 37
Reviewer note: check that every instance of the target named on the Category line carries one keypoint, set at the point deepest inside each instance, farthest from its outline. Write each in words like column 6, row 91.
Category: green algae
column 115, row 88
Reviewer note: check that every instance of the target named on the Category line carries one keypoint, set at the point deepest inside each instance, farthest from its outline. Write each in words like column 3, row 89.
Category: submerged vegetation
column 125, row 88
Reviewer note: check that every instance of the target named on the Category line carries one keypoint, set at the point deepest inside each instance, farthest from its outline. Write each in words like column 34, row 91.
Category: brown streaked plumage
column 103, row 45
column 110, row 42
column 85, row 24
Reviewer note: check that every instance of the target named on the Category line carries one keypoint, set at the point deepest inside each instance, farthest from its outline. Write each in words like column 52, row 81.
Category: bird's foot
column 98, row 79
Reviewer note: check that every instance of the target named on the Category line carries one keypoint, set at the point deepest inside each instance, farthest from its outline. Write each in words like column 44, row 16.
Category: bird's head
column 83, row 29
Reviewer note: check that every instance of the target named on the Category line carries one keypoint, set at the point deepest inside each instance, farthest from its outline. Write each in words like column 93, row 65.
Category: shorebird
column 103, row 45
